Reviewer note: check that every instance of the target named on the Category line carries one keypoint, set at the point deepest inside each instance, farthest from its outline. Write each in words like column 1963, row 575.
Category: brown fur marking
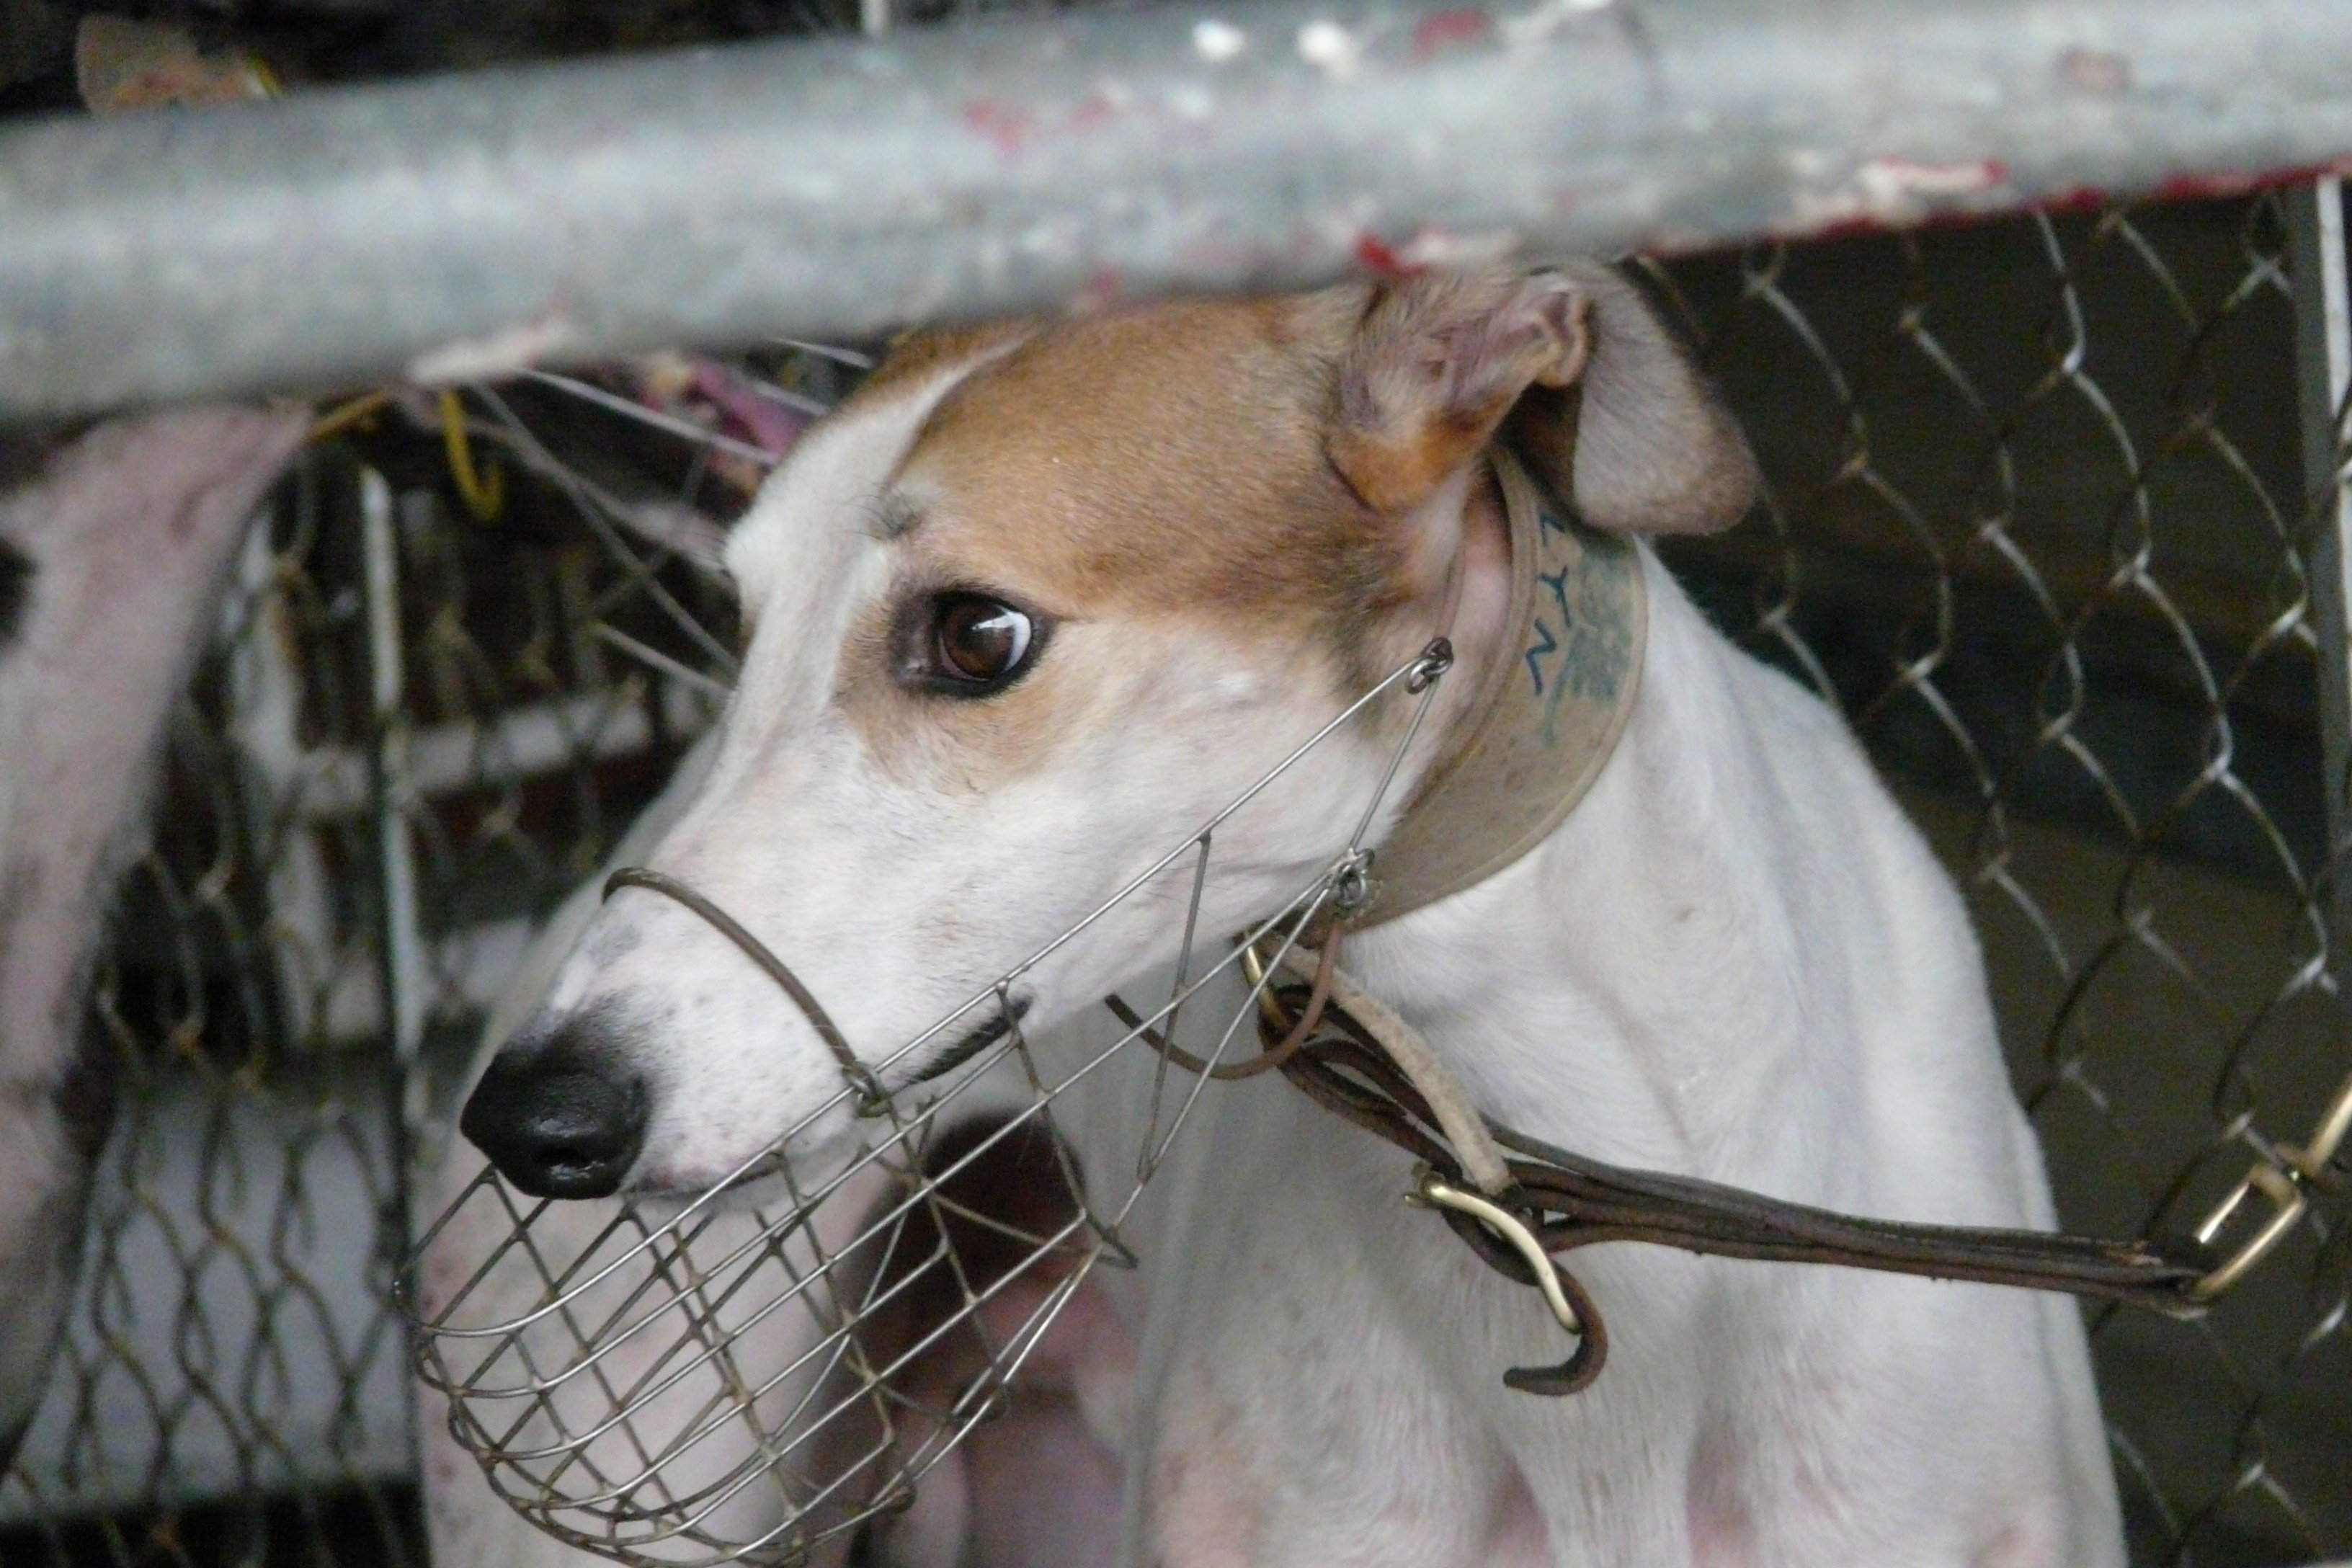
column 1162, row 467
column 1201, row 473
column 917, row 355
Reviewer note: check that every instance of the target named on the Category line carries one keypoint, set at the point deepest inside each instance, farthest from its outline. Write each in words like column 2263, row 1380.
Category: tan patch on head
column 1154, row 480
column 918, row 355
column 1164, row 461
column 1159, row 483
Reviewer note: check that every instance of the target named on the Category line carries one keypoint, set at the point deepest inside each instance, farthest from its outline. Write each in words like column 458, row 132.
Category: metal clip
column 2284, row 1191
column 1431, row 1190
column 1434, row 661
column 2312, row 1161
column 1256, row 967
column 1351, row 884
column 2285, row 1186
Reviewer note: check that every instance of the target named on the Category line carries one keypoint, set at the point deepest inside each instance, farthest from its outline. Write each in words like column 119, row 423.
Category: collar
column 1540, row 725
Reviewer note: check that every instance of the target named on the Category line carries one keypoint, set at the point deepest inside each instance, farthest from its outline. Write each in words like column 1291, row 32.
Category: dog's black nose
column 554, row 1118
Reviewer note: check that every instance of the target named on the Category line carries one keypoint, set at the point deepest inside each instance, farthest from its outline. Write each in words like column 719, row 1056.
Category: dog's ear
column 1572, row 365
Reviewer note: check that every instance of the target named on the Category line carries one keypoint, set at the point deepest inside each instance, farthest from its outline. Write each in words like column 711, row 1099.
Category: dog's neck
column 1626, row 987
column 1550, row 694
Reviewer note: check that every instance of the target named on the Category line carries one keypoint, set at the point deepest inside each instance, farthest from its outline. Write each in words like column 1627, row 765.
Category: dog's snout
column 556, row 1117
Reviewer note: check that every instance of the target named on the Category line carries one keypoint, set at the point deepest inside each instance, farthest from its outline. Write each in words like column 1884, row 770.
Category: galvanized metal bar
column 2323, row 316
column 463, row 228
column 402, row 956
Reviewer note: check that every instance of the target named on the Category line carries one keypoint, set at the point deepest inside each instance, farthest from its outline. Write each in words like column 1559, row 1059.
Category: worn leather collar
column 1545, row 717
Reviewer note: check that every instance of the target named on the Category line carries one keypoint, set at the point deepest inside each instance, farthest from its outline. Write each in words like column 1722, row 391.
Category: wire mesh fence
column 2036, row 521
column 379, row 783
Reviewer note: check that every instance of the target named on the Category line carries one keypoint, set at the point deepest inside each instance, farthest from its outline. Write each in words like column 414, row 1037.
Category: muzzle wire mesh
column 758, row 1371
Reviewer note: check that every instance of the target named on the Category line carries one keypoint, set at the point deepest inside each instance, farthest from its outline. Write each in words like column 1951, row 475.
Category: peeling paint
column 1374, row 255
column 1449, row 30
column 1562, row 121
column 1891, row 190
column 1326, row 44
column 508, row 352
column 1217, row 41
column 1097, row 108
column 1100, row 292
column 2234, row 182
column 1434, row 247
column 1000, row 123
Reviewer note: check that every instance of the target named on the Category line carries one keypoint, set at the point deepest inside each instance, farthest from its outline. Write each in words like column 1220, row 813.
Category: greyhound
column 113, row 546
column 1040, row 599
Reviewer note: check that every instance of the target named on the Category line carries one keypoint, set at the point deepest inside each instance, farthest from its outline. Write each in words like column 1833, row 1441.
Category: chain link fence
column 2036, row 523
column 420, row 728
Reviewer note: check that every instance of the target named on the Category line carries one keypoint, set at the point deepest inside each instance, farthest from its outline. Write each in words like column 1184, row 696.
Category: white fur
column 1736, row 960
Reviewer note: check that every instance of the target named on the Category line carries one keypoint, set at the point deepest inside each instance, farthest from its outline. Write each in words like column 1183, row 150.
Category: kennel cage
column 2052, row 503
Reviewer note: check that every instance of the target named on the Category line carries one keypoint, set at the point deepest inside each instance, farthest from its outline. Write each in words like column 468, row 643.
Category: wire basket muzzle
column 759, row 1374
column 744, row 1382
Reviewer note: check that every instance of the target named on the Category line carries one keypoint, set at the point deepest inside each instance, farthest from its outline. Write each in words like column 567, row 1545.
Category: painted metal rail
column 464, row 227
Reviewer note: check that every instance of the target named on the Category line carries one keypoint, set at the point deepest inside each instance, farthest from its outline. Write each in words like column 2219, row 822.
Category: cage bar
column 459, row 229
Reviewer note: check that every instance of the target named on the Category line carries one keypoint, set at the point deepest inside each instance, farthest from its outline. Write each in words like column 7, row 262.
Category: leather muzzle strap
column 1546, row 715
column 868, row 1088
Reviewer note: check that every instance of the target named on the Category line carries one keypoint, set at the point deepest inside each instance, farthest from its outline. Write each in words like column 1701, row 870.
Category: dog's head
column 1023, row 615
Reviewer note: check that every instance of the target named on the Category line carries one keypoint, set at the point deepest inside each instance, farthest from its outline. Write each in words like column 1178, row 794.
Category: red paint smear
column 1093, row 110
column 1100, row 293
column 1447, row 29
column 1374, row 256
column 2215, row 186
column 2207, row 187
column 1002, row 123
column 2072, row 199
column 1841, row 228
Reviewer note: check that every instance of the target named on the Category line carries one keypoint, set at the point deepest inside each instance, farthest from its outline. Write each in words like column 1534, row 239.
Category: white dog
column 1042, row 598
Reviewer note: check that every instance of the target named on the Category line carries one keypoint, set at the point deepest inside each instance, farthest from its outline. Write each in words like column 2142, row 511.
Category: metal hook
column 1432, row 1190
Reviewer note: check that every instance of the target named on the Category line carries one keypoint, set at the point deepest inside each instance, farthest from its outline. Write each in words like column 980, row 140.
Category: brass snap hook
column 1432, row 1191
column 2286, row 1187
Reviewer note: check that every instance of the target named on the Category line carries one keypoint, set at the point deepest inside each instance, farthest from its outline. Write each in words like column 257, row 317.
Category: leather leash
column 1545, row 1200
column 1556, row 1202
column 1535, row 734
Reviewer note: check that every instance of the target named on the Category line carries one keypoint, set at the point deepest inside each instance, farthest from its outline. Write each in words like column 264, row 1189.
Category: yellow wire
column 343, row 416
column 483, row 489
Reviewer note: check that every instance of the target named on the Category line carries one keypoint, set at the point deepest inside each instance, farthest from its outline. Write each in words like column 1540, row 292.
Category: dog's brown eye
column 978, row 642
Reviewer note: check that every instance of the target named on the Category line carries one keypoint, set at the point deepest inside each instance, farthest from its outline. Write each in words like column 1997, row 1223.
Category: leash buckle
column 2286, row 1186
column 2284, row 1191
column 1570, row 1307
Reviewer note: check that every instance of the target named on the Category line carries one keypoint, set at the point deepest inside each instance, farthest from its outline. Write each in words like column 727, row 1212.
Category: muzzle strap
column 871, row 1096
